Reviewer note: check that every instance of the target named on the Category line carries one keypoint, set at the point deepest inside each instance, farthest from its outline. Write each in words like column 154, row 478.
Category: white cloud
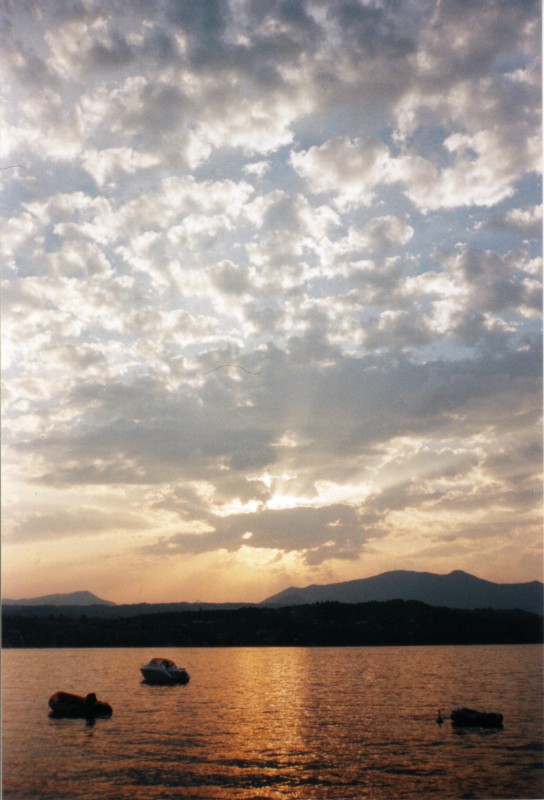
column 115, row 162
column 526, row 220
column 350, row 170
column 272, row 269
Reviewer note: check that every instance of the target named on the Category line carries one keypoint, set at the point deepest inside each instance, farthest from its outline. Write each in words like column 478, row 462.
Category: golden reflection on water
column 267, row 723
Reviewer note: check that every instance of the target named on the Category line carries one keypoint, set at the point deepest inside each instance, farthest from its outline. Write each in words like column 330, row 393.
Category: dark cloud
column 320, row 533
column 231, row 279
column 115, row 51
column 373, row 30
column 140, row 433
column 496, row 284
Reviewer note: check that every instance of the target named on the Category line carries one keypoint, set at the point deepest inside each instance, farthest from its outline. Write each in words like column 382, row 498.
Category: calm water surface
column 275, row 723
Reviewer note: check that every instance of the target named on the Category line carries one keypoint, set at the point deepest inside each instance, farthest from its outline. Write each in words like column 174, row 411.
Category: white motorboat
column 162, row 670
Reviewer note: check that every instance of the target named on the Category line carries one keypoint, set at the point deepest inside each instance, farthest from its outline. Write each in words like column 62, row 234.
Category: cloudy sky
column 271, row 294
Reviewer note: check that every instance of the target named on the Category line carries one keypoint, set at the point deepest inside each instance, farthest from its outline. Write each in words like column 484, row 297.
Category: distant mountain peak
column 82, row 598
column 458, row 589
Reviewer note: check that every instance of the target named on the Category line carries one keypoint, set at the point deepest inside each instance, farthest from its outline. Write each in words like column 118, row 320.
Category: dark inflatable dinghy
column 64, row 704
column 468, row 718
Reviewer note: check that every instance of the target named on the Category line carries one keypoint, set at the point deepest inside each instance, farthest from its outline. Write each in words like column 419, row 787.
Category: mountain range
column 458, row 589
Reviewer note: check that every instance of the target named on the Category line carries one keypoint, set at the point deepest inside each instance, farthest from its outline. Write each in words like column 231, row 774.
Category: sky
column 271, row 300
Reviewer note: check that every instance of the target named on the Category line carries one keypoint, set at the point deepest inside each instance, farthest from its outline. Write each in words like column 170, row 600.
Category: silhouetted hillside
column 83, row 598
column 396, row 622
column 456, row 590
column 112, row 611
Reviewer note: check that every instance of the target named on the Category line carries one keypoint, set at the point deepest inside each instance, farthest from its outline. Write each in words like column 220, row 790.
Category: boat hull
column 468, row 718
column 165, row 677
column 74, row 706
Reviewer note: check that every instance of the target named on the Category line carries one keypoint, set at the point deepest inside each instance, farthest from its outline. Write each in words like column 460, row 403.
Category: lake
column 285, row 723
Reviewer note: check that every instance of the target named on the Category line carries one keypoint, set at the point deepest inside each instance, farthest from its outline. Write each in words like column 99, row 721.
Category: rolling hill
column 83, row 598
column 458, row 589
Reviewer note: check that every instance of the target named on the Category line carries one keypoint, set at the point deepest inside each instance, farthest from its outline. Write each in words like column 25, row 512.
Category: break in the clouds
column 271, row 293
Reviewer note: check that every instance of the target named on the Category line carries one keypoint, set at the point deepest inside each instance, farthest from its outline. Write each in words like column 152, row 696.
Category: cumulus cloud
column 273, row 283
column 526, row 221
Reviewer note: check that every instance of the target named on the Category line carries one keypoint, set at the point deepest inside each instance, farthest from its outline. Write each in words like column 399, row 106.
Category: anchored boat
column 64, row 704
column 468, row 717
column 463, row 717
column 163, row 670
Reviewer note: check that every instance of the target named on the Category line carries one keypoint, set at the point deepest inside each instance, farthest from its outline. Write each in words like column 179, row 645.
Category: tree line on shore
column 394, row 622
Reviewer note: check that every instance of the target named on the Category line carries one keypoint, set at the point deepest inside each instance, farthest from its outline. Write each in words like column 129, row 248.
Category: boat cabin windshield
column 163, row 662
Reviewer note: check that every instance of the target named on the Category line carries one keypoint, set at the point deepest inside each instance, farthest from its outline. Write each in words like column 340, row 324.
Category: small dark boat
column 64, row 704
column 467, row 717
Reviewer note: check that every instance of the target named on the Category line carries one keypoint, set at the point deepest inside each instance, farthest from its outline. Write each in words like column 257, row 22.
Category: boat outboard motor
column 90, row 703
